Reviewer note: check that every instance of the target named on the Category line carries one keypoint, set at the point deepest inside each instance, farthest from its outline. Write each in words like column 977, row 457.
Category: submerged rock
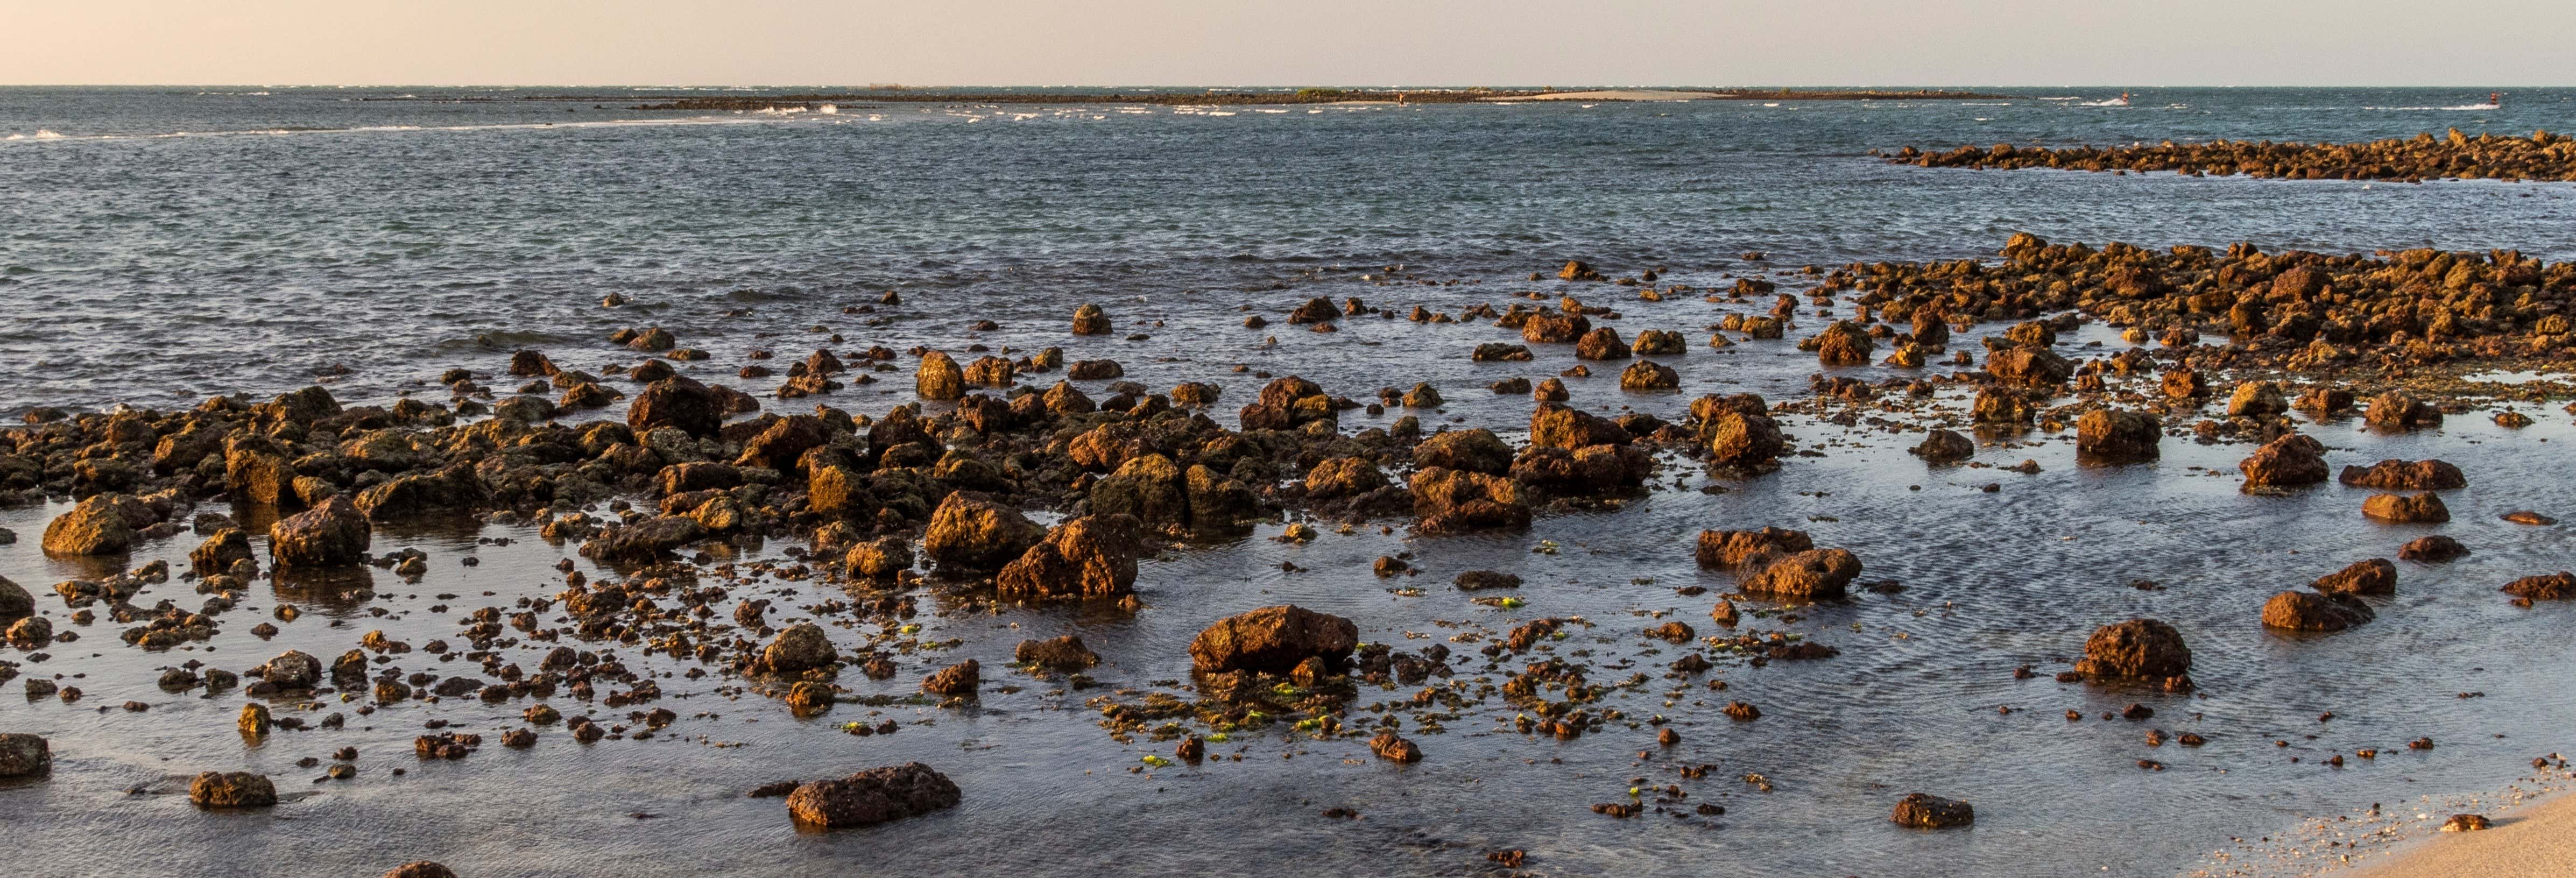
column 1066, row 653
column 2425, row 508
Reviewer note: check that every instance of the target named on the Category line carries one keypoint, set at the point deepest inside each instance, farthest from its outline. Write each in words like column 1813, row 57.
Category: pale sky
column 2473, row 43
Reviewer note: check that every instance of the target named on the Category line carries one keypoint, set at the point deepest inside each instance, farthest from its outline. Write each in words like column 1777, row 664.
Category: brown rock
column 1944, row 446
column 2400, row 475
column 1815, row 574
column 802, row 647
column 1089, row 557
column 2289, row 461
column 1732, row 548
column 233, row 789
column 2139, row 649
column 1066, row 653
column 973, row 534
column 957, row 680
column 1475, row 450
column 2117, row 436
column 2435, row 548
column 678, row 402
column 1600, row 344
column 2311, row 611
column 876, row 795
column 2372, row 577
column 96, row 526
column 937, row 378
column 333, row 533
column 1395, row 749
column 1343, row 477
column 1273, row 640
column 421, row 869
column 2557, row 586
column 2425, row 508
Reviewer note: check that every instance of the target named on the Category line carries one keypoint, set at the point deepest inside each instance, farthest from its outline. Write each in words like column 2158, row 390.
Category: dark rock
column 1924, row 811
column 1480, row 580
column 2400, row 475
column 2117, row 436
column 2138, row 649
column 974, row 534
column 1476, row 451
column 1815, row 574
column 1944, row 446
column 1066, row 653
column 24, row 755
column 679, row 402
column 957, row 680
column 2289, row 461
column 802, row 647
column 234, row 789
column 2435, row 548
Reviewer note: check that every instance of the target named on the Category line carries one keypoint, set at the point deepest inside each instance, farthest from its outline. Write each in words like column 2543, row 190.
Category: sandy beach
column 2536, row 841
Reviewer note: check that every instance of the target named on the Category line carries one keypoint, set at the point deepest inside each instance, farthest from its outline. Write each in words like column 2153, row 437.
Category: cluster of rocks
column 2540, row 155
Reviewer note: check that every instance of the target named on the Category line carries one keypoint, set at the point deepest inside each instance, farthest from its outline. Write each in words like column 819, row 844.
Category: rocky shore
column 1002, row 482
column 2540, row 156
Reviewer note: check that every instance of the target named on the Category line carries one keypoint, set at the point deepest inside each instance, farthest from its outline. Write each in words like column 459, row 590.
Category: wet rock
column 103, row 524
column 879, row 559
column 1475, row 451
column 1558, row 426
column 1815, row 574
column 215, row 556
column 1343, row 477
column 1480, row 580
column 1089, row 557
column 15, row 602
column 1924, row 811
column 1659, row 342
column 1497, row 352
column 2425, row 508
column 1066, row 653
column 292, row 670
column 1590, row 470
column 2526, row 516
column 678, row 402
column 1601, row 344
column 1449, row 501
column 2400, row 475
column 957, row 680
column 2255, row 399
column 802, row 647
column 2311, row 611
column 2117, row 436
column 1944, row 446
column 452, row 491
column 30, row 634
column 254, row 721
column 421, row 869
column 2287, row 462
column 1423, row 396
column 2557, row 586
column 1388, row 746
column 1091, row 320
column 877, row 795
column 2138, row 649
column 810, row 698
column 974, row 534
column 1724, row 613
column 1649, row 375
column 645, row 540
column 2435, row 549
column 1720, row 549
column 2376, row 576
column 1273, row 640
column 2029, row 367
column 25, row 755
column 1554, row 327
column 938, row 378
column 231, row 789
column 784, row 443
column 1844, row 343
column 2397, row 410
column 2465, row 823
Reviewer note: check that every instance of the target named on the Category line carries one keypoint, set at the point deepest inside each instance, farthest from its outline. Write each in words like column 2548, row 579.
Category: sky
column 2144, row 43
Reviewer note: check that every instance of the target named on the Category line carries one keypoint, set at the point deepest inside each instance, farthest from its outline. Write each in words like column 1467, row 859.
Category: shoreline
column 2531, row 838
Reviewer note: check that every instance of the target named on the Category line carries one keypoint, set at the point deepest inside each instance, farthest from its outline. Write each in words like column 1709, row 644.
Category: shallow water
column 180, row 267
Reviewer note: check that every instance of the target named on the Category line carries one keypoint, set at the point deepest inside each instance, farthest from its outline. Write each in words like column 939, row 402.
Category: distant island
column 1299, row 96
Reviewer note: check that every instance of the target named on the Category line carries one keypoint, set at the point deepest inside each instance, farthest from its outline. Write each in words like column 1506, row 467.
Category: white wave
column 48, row 134
column 2437, row 109
column 2114, row 102
column 830, row 110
